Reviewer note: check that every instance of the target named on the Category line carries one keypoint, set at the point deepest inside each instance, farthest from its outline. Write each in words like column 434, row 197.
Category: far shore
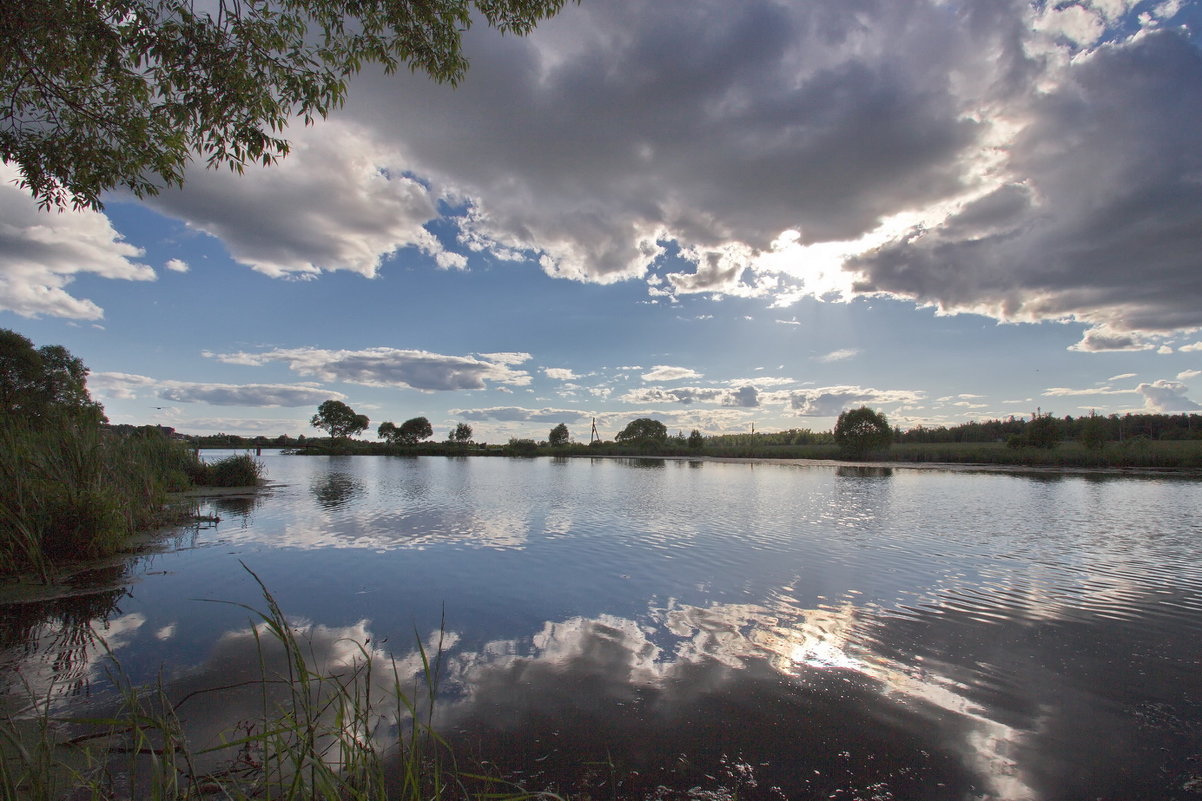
column 955, row 467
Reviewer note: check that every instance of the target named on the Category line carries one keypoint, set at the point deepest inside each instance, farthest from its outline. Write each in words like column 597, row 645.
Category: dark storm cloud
column 1106, row 225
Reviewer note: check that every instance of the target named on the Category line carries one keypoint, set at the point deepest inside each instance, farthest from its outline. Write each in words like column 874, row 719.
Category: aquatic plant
column 320, row 732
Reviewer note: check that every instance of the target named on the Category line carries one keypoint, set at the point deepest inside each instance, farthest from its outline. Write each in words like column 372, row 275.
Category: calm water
column 649, row 629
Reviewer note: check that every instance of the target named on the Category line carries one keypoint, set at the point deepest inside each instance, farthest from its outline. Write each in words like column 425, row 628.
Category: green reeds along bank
column 352, row 724
column 76, row 491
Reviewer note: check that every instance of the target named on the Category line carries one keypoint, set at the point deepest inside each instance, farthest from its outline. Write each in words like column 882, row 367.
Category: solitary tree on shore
column 858, row 432
column 338, row 419
column 461, row 434
column 643, row 429
column 414, row 430
column 558, row 436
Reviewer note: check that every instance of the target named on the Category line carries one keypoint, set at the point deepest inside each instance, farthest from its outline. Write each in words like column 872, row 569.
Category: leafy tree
column 861, row 431
column 338, row 419
column 1093, row 431
column 387, row 431
column 643, row 429
column 1043, row 431
column 696, row 441
column 461, row 434
column 559, row 436
column 413, row 431
column 106, row 93
column 43, row 386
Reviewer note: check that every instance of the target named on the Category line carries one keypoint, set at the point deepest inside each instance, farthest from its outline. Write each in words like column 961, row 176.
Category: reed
column 319, row 733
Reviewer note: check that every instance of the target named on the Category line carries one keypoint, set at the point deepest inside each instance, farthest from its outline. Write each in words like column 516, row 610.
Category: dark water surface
column 650, row 629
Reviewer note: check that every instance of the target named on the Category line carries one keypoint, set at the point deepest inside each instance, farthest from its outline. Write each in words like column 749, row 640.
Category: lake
column 638, row 628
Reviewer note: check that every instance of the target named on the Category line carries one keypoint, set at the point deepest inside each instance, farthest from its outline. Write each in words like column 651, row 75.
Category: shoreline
column 950, row 467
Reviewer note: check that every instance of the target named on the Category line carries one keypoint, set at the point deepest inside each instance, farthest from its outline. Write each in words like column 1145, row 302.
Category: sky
column 719, row 215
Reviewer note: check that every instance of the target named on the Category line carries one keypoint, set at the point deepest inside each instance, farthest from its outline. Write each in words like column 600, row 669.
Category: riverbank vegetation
column 72, row 488
column 1143, row 441
column 360, row 728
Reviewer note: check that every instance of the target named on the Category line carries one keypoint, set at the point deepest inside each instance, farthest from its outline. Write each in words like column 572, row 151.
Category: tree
column 1093, row 431
column 643, row 429
column 858, row 432
column 413, row 431
column 338, row 419
column 696, row 440
column 106, row 93
column 1043, row 431
column 559, row 436
column 387, row 431
column 461, row 434
column 43, row 386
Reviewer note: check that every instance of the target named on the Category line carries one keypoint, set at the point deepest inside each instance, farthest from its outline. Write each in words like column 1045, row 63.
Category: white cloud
column 1167, row 396
column 663, row 372
column 339, row 201
column 177, row 265
column 1185, row 375
column 511, row 414
column 1102, row 174
column 830, row 401
column 41, row 253
column 745, row 396
column 390, row 367
column 1191, row 348
column 127, row 386
column 1121, row 376
column 1065, row 392
column 560, row 373
column 838, row 355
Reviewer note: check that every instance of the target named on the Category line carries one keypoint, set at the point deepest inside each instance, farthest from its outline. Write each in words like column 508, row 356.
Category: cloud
column 1064, row 392
column 838, row 355
column 663, row 372
column 341, row 200
column 1167, row 396
column 803, row 115
column 390, row 367
column 511, row 414
column 1102, row 175
column 1121, row 376
column 830, row 401
column 1185, row 375
column 746, row 396
column 177, row 265
column 1191, row 348
column 560, row 373
column 41, row 253
column 127, row 386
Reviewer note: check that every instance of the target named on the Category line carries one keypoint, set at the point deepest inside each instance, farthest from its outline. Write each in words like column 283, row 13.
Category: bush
column 858, row 432
column 234, row 471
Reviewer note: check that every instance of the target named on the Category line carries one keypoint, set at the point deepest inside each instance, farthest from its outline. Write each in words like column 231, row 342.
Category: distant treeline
column 1114, row 428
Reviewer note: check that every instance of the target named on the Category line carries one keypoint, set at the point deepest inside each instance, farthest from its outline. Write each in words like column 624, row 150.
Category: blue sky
column 719, row 216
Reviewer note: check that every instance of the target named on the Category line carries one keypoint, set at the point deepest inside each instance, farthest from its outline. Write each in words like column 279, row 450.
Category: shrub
column 234, row 471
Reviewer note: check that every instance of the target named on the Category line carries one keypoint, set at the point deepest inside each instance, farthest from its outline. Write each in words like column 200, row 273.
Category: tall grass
column 75, row 492
column 318, row 733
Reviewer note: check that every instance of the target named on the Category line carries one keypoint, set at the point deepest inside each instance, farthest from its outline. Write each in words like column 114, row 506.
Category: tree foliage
column 559, row 436
column 696, row 440
column 1043, row 431
column 860, row 431
column 338, row 419
column 106, row 93
column 461, row 434
column 43, row 386
column 413, row 431
column 643, row 429
column 1093, row 432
